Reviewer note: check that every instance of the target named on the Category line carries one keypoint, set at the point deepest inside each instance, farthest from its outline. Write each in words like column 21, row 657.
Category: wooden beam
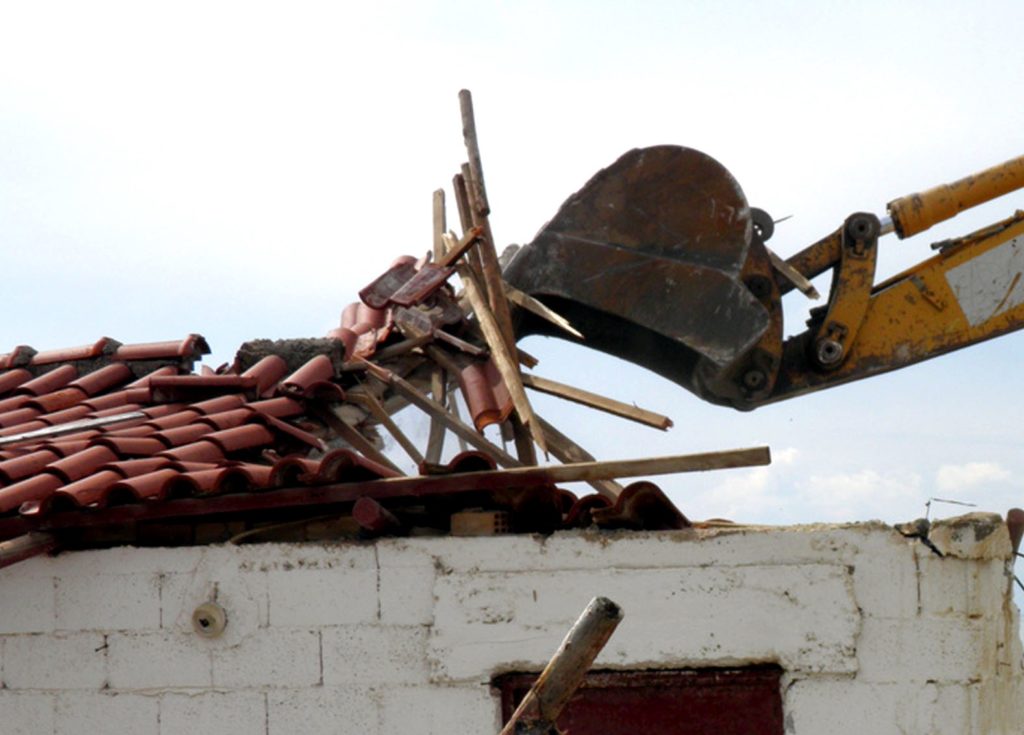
column 435, row 409
column 502, row 355
column 351, row 435
column 371, row 402
column 519, row 298
column 456, row 251
column 543, row 704
column 477, row 192
column 593, row 400
column 440, row 223
column 25, row 547
column 439, row 390
column 567, row 451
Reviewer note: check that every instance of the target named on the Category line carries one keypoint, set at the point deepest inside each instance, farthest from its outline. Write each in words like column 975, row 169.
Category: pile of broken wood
column 442, row 341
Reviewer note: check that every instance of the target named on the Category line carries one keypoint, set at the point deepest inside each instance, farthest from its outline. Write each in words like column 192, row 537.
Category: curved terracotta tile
column 104, row 379
column 198, row 387
column 103, row 346
column 151, row 486
column 200, row 451
column 110, row 400
column 49, row 381
column 14, row 402
column 18, row 468
column 173, row 420
column 129, row 446
column 267, row 372
column 130, row 428
column 80, row 464
column 246, row 436
column 11, row 379
column 182, row 434
column 219, row 404
column 58, row 400
column 221, row 480
column 228, row 419
column 293, row 471
column 282, row 407
column 318, row 369
column 470, row 461
column 66, row 446
column 23, row 428
column 346, row 336
column 136, row 467
column 74, row 413
column 143, row 382
column 344, row 465
column 325, row 391
column 37, row 487
column 81, row 493
column 118, row 411
column 12, row 419
column 191, row 347
column 161, row 410
column 18, row 357
column 486, row 394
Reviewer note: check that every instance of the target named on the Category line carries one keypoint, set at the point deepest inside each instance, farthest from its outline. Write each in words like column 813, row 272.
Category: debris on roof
column 112, row 443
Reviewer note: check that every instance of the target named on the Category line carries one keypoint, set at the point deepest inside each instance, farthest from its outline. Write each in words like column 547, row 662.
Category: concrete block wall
column 875, row 632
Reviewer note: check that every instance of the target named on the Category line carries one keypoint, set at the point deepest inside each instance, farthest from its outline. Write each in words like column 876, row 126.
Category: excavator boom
column 660, row 260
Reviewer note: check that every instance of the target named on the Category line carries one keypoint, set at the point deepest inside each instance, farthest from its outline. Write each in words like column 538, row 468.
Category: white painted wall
column 876, row 633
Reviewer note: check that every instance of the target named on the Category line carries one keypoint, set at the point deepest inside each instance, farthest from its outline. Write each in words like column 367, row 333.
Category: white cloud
column 956, row 477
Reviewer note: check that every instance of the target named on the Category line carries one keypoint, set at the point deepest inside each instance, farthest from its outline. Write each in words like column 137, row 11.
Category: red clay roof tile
column 103, row 346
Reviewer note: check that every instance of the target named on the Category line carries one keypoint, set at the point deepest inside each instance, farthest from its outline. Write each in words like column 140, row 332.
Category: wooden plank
column 351, row 435
column 792, row 275
column 500, row 352
column 519, row 298
column 25, row 547
column 435, row 409
column 71, row 427
column 440, row 224
column 456, row 251
column 371, row 402
column 435, row 440
column 477, row 191
column 543, row 704
column 393, row 487
column 466, row 218
column 567, row 451
column 593, row 400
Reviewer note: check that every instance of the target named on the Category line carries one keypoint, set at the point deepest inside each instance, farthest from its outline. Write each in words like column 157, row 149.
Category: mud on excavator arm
column 660, row 260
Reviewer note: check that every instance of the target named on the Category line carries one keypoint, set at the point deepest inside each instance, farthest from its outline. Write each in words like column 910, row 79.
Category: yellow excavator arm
column 659, row 260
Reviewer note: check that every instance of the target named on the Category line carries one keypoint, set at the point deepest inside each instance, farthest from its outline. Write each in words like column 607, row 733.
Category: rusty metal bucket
column 654, row 261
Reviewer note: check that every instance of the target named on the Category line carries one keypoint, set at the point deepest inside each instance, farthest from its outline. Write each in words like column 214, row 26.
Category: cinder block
column 406, row 583
column 103, row 713
column 55, row 661
column 886, row 584
column 570, row 550
column 803, row 616
column 373, row 655
column 317, row 597
column 125, row 560
column 243, row 595
column 223, row 713
column 27, row 602
column 851, row 707
column 439, row 710
column 924, row 649
column 108, row 602
column 348, row 710
column 159, row 659
column 27, row 713
column 268, row 658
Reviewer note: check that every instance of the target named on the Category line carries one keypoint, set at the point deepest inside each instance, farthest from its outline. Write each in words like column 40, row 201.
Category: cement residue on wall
column 875, row 632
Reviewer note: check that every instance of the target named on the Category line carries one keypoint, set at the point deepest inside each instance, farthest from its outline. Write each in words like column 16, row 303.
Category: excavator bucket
column 657, row 260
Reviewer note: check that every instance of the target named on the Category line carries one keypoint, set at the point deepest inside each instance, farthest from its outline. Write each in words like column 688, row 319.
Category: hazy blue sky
column 241, row 170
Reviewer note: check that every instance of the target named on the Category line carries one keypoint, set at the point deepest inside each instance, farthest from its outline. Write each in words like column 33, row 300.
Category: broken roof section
column 108, row 443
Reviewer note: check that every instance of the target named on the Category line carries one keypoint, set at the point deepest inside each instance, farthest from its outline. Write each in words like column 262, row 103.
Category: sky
column 241, row 170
